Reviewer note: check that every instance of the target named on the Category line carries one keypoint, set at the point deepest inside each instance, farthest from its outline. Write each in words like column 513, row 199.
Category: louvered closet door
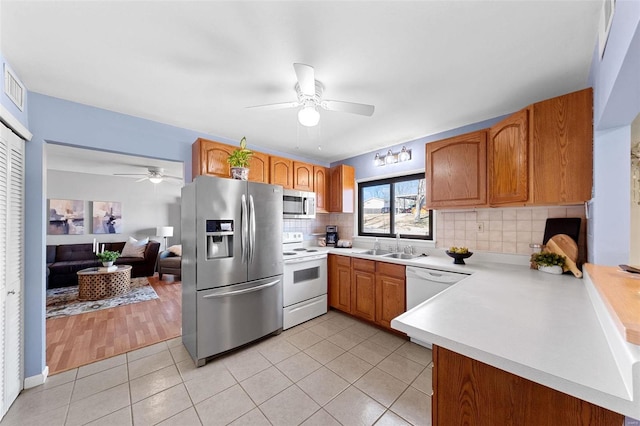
column 11, row 264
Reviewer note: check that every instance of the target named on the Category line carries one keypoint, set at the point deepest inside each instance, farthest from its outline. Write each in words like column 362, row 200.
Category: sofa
column 65, row 260
column 169, row 263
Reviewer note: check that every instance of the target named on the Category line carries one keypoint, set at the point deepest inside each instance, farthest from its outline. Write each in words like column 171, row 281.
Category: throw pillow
column 176, row 250
column 134, row 248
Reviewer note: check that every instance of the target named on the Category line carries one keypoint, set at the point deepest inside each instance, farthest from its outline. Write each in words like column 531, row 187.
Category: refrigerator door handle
column 252, row 229
column 243, row 291
column 244, row 230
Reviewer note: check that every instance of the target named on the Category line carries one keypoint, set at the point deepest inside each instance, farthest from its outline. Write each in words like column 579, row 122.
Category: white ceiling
column 427, row 66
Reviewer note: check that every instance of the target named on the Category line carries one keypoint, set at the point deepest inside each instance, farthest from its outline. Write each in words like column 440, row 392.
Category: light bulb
column 309, row 116
column 155, row 179
column 378, row 161
column 404, row 155
column 390, row 158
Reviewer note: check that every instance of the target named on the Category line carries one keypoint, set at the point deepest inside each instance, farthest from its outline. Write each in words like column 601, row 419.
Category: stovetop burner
column 300, row 249
column 311, row 250
column 289, row 253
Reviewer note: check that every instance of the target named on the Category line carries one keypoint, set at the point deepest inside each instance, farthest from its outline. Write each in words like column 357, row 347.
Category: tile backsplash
column 505, row 230
column 344, row 221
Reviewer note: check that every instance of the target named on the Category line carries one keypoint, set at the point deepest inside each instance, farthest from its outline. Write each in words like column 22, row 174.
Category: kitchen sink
column 401, row 255
column 376, row 252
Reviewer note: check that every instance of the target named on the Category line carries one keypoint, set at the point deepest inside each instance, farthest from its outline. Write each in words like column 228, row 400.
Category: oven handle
column 306, row 259
column 246, row 290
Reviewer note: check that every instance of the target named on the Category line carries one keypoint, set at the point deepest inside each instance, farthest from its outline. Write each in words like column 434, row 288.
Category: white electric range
column 304, row 289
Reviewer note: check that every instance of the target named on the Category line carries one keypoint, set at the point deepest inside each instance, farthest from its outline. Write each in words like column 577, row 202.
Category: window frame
column 391, row 181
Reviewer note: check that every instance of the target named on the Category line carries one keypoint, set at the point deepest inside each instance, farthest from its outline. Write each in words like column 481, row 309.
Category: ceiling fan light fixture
column 155, row 179
column 308, row 116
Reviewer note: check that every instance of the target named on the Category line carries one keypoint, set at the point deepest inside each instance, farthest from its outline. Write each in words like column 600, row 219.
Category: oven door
column 304, row 278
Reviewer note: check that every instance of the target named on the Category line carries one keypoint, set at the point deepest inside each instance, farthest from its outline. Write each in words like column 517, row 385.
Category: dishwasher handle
column 433, row 275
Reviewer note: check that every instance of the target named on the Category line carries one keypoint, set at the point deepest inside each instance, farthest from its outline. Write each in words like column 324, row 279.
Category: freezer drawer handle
column 246, row 290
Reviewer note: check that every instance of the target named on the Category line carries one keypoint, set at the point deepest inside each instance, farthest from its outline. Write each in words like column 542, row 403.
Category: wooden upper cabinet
column 342, row 183
column 508, row 160
column 303, row 176
column 456, row 171
column 562, row 149
column 321, row 188
column 259, row 167
column 281, row 171
column 210, row 158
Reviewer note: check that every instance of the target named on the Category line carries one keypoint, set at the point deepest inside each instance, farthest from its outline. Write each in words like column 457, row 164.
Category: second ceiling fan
column 309, row 91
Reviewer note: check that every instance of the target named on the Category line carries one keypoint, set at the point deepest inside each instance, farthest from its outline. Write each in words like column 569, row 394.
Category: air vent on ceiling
column 13, row 88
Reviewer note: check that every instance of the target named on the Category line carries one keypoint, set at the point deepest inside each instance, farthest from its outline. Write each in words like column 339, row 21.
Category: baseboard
column 37, row 380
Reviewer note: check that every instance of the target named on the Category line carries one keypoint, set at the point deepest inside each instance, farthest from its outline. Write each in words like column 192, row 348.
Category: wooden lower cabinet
column 391, row 299
column 363, row 289
column 469, row 392
column 340, row 282
column 370, row 290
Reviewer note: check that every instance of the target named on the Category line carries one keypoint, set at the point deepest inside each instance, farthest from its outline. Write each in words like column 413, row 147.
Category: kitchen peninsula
column 522, row 324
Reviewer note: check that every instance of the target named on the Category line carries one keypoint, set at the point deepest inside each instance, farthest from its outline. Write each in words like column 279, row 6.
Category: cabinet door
column 456, row 171
column 210, row 158
column 342, row 189
column 340, row 282
column 302, row 176
column 281, row 171
column 562, row 141
column 321, row 188
column 508, row 160
column 466, row 391
column 363, row 294
column 391, row 298
column 259, row 168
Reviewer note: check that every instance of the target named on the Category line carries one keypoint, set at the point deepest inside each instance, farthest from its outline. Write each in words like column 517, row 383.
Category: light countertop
column 539, row 326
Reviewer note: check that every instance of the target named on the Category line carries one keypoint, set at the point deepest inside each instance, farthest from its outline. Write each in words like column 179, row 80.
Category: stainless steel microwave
column 299, row 204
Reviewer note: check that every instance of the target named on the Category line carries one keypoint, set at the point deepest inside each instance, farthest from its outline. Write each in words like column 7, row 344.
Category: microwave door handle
column 244, row 230
column 305, row 205
column 252, row 229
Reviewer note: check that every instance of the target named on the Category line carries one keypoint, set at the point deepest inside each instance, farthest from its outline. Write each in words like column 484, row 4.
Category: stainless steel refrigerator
column 231, row 264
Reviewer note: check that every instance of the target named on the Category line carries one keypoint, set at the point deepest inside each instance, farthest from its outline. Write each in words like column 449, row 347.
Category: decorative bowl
column 458, row 258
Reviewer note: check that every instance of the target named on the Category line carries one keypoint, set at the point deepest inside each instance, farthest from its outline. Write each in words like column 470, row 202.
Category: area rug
column 64, row 301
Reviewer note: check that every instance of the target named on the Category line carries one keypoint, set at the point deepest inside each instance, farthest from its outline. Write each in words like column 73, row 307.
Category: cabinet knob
column 11, row 292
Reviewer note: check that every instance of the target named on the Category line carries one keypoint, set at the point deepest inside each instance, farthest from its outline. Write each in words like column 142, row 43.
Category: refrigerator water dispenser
column 219, row 238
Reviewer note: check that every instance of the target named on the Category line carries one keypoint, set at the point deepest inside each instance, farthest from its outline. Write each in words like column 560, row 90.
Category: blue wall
column 616, row 82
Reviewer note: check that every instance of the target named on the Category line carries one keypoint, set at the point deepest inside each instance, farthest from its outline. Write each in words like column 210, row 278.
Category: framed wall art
column 107, row 217
column 66, row 217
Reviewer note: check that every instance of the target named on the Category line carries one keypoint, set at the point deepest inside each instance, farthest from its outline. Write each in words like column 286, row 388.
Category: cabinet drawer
column 342, row 260
column 390, row 269
column 364, row 265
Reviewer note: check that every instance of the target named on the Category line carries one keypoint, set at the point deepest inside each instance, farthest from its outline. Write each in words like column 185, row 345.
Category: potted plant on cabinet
column 551, row 263
column 107, row 257
column 239, row 161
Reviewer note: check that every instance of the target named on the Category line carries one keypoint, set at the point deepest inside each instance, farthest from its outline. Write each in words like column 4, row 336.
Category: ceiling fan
column 309, row 91
column 154, row 175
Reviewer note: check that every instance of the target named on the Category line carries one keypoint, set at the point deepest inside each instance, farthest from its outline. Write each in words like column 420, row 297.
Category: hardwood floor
column 77, row 340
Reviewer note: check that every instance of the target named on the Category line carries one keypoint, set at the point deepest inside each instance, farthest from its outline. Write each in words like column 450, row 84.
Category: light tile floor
column 331, row 370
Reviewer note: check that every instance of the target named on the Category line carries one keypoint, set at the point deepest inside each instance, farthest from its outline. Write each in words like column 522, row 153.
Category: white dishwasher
column 424, row 283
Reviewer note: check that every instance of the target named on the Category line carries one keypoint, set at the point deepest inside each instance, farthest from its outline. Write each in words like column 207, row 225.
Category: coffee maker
column 332, row 235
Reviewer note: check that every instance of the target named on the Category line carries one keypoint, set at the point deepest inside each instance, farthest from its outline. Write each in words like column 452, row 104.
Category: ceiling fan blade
column 142, row 179
column 351, row 107
column 130, row 174
column 282, row 105
column 306, row 79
